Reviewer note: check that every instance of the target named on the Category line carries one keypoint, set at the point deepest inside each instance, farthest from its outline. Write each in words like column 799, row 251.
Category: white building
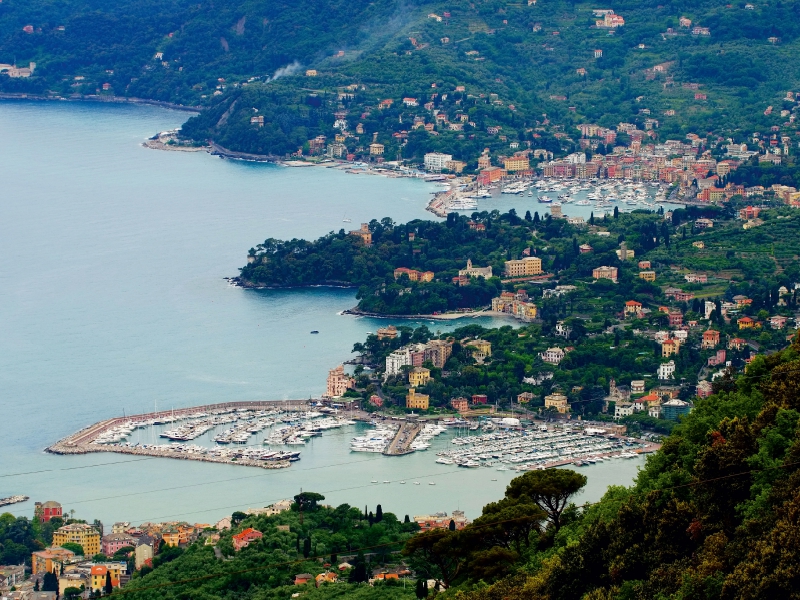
column 553, row 355
column 436, row 161
column 623, row 409
column 654, row 411
column 667, row 370
column 396, row 360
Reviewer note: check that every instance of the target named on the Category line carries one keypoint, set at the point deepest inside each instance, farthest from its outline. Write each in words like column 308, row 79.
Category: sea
column 113, row 300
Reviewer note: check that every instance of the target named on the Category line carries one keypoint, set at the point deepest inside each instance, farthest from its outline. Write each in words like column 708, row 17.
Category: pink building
column 113, row 542
column 338, row 382
column 242, row 540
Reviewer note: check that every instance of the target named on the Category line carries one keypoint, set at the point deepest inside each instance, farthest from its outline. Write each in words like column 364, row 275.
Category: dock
column 83, row 441
column 401, row 444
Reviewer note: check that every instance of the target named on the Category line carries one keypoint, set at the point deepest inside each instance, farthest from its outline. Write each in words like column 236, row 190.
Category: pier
column 401, row 444
column 84, row 441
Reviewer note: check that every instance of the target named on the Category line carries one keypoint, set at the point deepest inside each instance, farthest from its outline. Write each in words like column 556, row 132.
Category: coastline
column 100, row 99
column 440, row 317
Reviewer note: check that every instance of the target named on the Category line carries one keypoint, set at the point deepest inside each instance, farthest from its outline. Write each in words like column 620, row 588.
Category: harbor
column 13, row 500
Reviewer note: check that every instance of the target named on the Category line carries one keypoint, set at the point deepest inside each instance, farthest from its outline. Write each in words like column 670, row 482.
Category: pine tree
column 616, row 212
column 421, row 591
column 371, row 518
column 109, row 587
column 306, row 547
column 407, row 519
column 452, row 526
column 378, row 514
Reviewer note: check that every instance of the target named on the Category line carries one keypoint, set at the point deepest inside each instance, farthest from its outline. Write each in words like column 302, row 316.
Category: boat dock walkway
column 401, row 444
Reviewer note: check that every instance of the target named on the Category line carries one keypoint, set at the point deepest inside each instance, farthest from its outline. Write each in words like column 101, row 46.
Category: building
column 44, row 511
column 746, row 323
column 710, row 339
column 50, row 560
column 669, row 347
column 338, row 382
column 417, row 401
column 481, row 349
column 517, row 163
column 387, row 333
column 113, row 542
column 696, row 278
column 364, row 233
column 647, row 275
column 666, row 370
column 530, row 265
column 736, row 343
column 480, row 399
column 558, row 402
column 303, row 578
column 623, row 409
column 585, row 249
column 605, row 273
column 79, row 533
column 11, row 576
column 120, row 527
column 436, row 161
column 644, row 264
column 376, row 149
column 524, row 398
column 704, row 389
column 460, row 404
column 438, row 352
column 553, row 356
column 637, row 386
column 413, row 275
column 673, row 409
column 99, row 574
column 718, row 359
column 470, row 271
column 143, row 553
column 327, row 577
column 72, row 579
column 397, row 360
column 441, row 521
column 243, row 539
column 675, row 318
column 777, row 322
column 632, row 307
column 418, row 376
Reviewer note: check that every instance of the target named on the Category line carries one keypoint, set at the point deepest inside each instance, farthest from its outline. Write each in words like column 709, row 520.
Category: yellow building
column 418, row 376
column 481, row 349
column 99, row 574
column 647, row 275
column 79, row 533
column 531, row 265
column 670, row 347
column 376, row 149
column 49, row 560
column 517, row 163
column 557, row 401
column 418, row 401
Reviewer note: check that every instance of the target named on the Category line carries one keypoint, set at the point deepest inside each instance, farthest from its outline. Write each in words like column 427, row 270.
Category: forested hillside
column 718, row 66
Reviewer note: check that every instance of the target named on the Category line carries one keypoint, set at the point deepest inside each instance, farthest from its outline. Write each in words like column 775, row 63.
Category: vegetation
column 514, row 62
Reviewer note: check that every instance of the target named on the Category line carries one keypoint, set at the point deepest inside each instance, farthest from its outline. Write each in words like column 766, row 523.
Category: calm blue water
column 112, row 299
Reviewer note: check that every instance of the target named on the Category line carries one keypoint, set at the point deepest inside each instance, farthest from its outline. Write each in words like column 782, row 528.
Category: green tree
column 550, row 489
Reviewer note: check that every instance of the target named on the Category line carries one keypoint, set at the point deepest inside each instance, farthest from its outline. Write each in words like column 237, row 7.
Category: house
column 387, row 333
column 44, row 511
column 553, row 356
column 459, row 404
column 327, row 577
column 558, row 402
column 666, row 370
column 585, row 248
column 699, row 244
column 632, row 307
column 710, row 339
column 605, row 273
column 480, row 399
column 413, row 274
column 436, row 161
column 243, row 539
column 746, row 323
column 669, row 347
column 419, row 376
column 718, row 359
column 524, row 398
column 675, row 318
column 777, row 322
column 50, row 560
column 303, row 578
column 481, row 349
column 637, row 386
column 562, row 330
column 696, row 278
column 142, row 554
column 644, row 264
column 417, row 401
column 410, row 102
column 364, row 233
column 11, row 576
column 623, row 409
column 736, row 343
column 647, row 275
column 704, row 223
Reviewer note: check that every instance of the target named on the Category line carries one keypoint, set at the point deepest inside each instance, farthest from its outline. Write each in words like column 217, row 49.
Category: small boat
column 431, row 483
column 402, row 482
column 386, row 481
column 315, row 331
column 416, row 483
column 374, row 481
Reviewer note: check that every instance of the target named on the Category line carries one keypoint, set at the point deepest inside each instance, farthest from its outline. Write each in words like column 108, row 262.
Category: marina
column 13, row 500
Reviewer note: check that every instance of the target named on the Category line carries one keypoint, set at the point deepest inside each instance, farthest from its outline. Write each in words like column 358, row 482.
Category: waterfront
column 113, row 299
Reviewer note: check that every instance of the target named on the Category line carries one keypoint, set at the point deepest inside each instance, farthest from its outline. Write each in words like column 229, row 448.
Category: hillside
column 532, row 69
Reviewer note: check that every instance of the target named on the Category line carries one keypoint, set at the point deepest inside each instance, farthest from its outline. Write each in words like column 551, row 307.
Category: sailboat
column 345, row 219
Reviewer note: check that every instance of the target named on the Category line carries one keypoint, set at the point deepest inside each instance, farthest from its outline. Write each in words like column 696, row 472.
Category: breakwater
column 85, row 441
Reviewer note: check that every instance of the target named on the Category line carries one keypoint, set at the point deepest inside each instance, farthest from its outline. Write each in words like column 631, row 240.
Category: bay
column 112, row 299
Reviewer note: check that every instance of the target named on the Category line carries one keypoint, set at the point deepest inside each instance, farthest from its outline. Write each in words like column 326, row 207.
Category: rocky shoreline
column 100, row 99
